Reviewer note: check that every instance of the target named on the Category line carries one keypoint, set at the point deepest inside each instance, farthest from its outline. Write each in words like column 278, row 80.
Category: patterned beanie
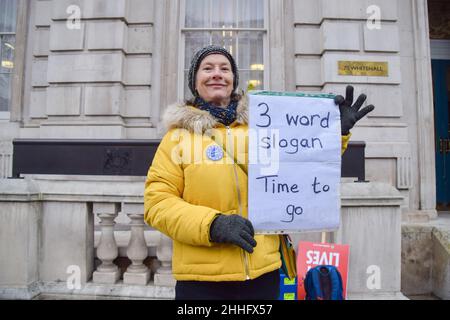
column 200, row 55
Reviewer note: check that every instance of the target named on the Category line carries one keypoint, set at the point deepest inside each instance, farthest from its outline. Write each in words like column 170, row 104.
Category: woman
column 196, row 189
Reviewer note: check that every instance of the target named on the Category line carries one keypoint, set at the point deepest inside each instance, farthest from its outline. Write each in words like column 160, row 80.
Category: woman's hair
column 234, row 97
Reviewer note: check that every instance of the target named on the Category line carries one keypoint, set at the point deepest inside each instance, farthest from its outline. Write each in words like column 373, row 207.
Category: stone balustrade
column 65, row 252
column 65, row 235
column 107, row 249
column 137, row 272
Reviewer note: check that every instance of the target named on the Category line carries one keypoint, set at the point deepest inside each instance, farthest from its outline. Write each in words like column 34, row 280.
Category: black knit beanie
column 200, row 55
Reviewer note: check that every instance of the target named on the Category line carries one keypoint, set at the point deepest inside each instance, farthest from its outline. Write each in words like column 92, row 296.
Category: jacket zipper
column 239, row 199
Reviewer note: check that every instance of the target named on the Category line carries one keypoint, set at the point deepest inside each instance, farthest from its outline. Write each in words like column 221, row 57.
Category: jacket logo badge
column 214, row 153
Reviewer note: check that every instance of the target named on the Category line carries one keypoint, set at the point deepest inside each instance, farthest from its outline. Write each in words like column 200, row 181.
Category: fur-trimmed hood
column 180, row 115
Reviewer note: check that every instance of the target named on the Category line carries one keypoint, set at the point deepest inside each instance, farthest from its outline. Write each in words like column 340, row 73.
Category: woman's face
column 214, row 80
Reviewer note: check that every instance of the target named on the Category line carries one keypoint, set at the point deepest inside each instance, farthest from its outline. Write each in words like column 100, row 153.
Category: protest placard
column 294, row 162
column 312, row 254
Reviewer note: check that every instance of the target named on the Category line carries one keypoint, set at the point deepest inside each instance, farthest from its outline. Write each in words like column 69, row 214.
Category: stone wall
column 90, row 72
column 343, row 31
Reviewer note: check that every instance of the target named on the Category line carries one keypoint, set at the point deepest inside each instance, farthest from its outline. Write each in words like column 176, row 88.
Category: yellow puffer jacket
column 185, row 190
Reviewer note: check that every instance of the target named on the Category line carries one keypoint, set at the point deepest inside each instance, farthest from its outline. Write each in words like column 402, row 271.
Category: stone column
column 65, row 226
column 20, row 215
column 425, row 113
column 163, row 276
column 276, row 37
column 371, row 225
column 137, row 272
column 107, row 249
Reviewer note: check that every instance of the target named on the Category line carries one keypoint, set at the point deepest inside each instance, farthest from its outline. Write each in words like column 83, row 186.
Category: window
column 8, row 11
column 236, row 25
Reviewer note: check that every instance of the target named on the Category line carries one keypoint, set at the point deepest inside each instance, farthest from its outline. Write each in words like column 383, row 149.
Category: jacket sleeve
column 344, row 142
column 165, row 209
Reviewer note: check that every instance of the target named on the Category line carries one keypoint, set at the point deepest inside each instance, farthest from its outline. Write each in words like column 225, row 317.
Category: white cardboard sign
column 294, row 162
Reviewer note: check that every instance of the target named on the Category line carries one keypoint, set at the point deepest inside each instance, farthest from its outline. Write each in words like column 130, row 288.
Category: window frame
column 182, row 42
column 6, row 115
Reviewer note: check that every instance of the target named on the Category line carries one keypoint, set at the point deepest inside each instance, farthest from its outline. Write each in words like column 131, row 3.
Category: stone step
column 94, row 291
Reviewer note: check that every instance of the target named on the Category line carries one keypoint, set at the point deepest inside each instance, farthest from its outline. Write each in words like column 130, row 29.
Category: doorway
column 441, row 91
column 438, row 17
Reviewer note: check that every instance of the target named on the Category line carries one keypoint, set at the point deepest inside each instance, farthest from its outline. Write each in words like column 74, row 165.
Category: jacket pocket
column 266, row 251
column 199, row 255
column 272, row 244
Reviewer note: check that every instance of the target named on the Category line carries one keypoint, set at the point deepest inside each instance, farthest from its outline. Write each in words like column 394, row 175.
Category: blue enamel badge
column 214, row 152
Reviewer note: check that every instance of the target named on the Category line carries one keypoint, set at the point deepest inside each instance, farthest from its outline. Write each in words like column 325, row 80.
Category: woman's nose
column 217, row 73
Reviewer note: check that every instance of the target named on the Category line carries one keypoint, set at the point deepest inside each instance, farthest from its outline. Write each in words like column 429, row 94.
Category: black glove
column 233, row 229
column 351, row 114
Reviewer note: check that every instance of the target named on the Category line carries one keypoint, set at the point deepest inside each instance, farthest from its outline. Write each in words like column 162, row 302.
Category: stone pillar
column 277, row 41
column 6, row 151
column 371, row 225
column 137, row 272
column 67, row 241
column 163, row 276
column 107, row 249
column 20, row 213
column 425, row 112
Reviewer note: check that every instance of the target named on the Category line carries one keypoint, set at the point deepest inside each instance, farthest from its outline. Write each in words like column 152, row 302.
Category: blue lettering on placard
column 308, row 120
column 292, row 145
column 316, row 187
column 293, row 211
column 265, row 114
column 275, row 187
